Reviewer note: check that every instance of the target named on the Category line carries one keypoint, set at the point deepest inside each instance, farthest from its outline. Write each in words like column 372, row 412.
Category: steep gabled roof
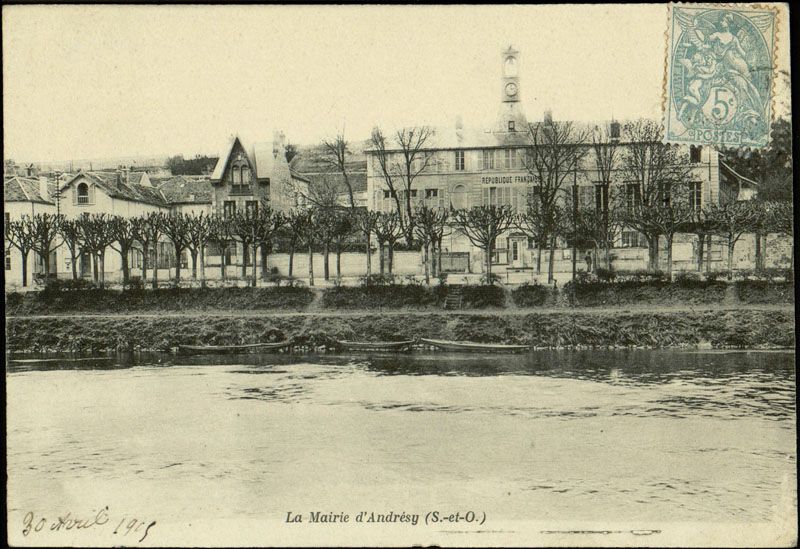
column 727, row 171
column 222, row 162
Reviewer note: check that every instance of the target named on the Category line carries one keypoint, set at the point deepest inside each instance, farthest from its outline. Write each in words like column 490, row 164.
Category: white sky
column 90, row 82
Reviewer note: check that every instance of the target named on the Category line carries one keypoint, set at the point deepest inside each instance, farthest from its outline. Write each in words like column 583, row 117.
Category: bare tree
column 731, row 221
column 268, row 224
column 124, row 235
column 96, row 236
column 661, row 176
column 219, row 233
column 293, row 232
column 44, row 229
column 400, row 162
column 176, row 228
column 366, row 221
column 387, row 233
column 482, row 225
column 198, row 232
column 430, row 227
column 552, row 156
column 335, row 155
column 19, row 234
column 702, row 225
column 71, row 235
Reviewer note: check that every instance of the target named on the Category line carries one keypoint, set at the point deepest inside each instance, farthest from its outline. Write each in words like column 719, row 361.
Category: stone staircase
column 454, row 297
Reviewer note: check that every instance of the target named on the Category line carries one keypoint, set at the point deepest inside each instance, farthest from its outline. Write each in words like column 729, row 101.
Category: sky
column 106, row 81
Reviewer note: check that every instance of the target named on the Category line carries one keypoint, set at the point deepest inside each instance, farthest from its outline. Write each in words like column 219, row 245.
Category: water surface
column 589, row 437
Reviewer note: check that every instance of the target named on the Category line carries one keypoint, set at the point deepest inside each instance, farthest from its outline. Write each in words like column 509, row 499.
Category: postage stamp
column 719, row 74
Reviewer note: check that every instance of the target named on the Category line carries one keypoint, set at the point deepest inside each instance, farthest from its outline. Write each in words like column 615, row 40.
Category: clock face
column 511, row 89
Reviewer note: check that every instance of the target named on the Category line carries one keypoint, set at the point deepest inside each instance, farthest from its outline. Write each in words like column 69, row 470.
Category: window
column 459, row 164
column 497, row 196
column 83, row 193
column 459, row 198
column 601, row 197
column 251, row 208
column 695, row 153
column 511, row 126
column 413, row 193
column 431, row 193
column 488, row 160
column 633, row 239
column 235, row 175
column 8, row 258
column 7, row 217
column 389, row 194
column 633, row 196
column 229, row 209
column 245, row 176
column 696, row 196
column 510, row 159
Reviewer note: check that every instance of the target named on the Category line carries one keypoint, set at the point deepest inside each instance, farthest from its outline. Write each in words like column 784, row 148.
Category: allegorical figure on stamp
column 722, row 70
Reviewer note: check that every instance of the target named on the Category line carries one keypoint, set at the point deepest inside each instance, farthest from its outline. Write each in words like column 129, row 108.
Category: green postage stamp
column 720, row 70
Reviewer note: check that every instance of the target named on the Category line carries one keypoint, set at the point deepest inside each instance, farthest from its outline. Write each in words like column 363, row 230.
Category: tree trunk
column 552, row 258
column 425, row 257
column 538, row 258
column 291, row 261
column 369, row 257
column 326, row 274
column 708, row 248
column 263, row 260
column 144, row 262
column 46, row 262
column 381, row 259
column 488, row 260
column 764, row 252
column 652, row 250
column 391, row 257
column 126, row 276
column 439, row 257
column 701, row 238
column 24, row 268
column 731, row 244
column 434, row 265
column 244, row 257
column 669, row 257
column 759, row 257
column 223, row 250
column 101, row 260
column 202, row 265
column 339, row 262
column 155, row 265
column 177, row 266
column 193, row 252
column 310, row 264
column 254, row 277
column 95, row 274
column 73, row 259
column 607, row 251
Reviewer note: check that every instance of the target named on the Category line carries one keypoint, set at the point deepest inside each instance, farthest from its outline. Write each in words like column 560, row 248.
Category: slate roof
column 186, row 190
column 310, row 163
column 25, row 189
column 115, row 187
column 260, row 156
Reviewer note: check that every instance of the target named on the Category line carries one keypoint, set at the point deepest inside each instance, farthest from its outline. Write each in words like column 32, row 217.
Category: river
column 220, row 450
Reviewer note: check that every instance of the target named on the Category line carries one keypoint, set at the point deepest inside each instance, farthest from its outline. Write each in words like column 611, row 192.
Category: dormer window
column 245, row 176
column 83, row 193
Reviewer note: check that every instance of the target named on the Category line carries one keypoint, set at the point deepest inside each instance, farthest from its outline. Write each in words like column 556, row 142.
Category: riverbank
column 738, row 327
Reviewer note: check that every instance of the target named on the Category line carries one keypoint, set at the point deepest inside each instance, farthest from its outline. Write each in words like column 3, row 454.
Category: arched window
column 235, row 175
column 458, row 198
column 83, row 193
column 245, row 177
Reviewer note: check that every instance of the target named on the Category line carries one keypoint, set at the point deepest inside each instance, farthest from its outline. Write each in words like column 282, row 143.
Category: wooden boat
column 247, row 347
column 468, row 346
column 376, row 345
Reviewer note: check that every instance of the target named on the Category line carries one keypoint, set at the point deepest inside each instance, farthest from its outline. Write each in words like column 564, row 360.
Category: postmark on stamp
column 719, row 74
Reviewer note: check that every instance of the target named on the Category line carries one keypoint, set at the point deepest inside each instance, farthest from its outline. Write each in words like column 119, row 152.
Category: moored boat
column 395, row 346
column 470, row 346
column 207, row 349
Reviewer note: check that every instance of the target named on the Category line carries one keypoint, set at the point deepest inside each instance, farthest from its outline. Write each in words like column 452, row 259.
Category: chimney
column 278, row 143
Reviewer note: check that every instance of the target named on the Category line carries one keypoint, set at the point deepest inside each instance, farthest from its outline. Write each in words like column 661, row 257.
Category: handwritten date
column 124, row 527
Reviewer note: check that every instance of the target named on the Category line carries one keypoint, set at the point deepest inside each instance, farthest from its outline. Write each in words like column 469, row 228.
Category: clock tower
column 510, row 118
column 510, row 78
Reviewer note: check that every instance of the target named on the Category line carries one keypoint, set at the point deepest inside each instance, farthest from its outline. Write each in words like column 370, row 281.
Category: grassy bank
column 398, row 296
column 719, row 328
